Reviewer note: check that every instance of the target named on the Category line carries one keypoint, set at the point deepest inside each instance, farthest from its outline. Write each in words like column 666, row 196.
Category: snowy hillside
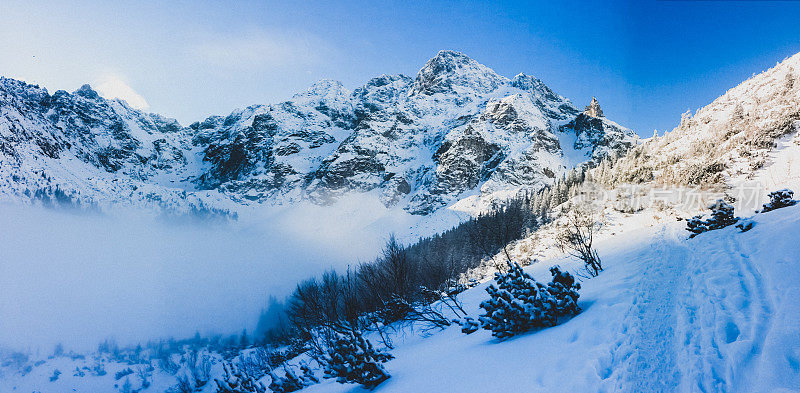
column 713, row 313
column 419, row 143
column 728, row 140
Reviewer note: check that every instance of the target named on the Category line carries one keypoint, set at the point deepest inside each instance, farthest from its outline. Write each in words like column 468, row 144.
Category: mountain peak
column 450, row 70
column 325, row 90
column 450, row 56
column 324, row 87
column 86, row 91
column 593, row 109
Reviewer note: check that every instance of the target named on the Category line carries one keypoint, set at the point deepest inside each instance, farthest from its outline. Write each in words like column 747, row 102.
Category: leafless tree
column 577, row 236
column 432, row 312
column 397, row 269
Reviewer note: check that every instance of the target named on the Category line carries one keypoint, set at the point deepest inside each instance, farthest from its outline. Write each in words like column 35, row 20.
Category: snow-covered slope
column 712, row 313
column 726, row 141
column 456, row 129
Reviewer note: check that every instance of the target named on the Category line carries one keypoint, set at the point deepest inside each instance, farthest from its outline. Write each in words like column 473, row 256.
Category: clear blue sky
column 646, row 61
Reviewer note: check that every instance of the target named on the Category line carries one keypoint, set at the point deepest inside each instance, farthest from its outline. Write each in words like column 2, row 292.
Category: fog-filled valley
column 81, row 277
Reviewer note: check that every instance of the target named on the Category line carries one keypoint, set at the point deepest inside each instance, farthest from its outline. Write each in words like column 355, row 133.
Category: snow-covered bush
column 352, row 358
column 745, row 226
column 469, row 325
column 122, row 373
column 721, row 217
column 291, row 382
column 564, row 290
column 235, row 381
column 394, row 309
column 168, row 365
column 197, row 373
column 256, row 363
column 779, row 199
column 98, row 370
column 518, row 303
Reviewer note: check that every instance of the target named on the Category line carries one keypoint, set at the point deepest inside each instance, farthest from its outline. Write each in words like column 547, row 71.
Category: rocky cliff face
column 593, row 109
column 455, row 129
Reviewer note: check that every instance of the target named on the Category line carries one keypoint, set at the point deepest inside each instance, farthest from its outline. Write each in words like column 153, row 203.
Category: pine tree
column 565, row 291
column 518, row 303
column 721, row 217
column 352, row 358
column 779, row 199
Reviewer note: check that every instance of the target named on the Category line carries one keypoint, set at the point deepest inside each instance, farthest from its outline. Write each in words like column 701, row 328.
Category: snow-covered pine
column 469, row 325
column 721, row 217
column 290, row 381
column 564, row 290
column 518, row 303
column 351, row 358
column 779, row 199
column 235, row 381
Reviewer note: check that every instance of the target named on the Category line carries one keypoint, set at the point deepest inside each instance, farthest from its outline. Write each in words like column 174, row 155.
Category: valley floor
column 716, row 313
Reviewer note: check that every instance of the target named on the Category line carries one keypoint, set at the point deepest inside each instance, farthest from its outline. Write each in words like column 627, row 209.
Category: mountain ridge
column 456, row 128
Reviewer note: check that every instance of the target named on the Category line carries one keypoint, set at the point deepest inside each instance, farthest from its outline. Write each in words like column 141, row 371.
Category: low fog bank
column 79, row 279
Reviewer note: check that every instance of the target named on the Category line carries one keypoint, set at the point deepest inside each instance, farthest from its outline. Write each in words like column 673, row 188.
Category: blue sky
column 646, row 61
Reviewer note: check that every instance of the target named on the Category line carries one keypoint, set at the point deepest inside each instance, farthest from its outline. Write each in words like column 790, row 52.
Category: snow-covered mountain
column 670, row 313
column 421, row 143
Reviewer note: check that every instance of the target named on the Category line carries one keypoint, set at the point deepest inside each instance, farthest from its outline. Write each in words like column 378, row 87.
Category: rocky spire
column 86, row 91
column 593, row 109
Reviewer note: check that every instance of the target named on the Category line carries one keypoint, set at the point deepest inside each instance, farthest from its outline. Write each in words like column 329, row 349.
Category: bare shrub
column 576, row 238
column 235, row 380
column 199, row 368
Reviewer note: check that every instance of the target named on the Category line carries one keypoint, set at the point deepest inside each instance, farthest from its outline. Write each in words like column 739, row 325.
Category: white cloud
column 114, row 86
column 255, row 48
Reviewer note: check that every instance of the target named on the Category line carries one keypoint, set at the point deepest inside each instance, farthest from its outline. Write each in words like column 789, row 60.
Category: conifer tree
column 352, row 358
